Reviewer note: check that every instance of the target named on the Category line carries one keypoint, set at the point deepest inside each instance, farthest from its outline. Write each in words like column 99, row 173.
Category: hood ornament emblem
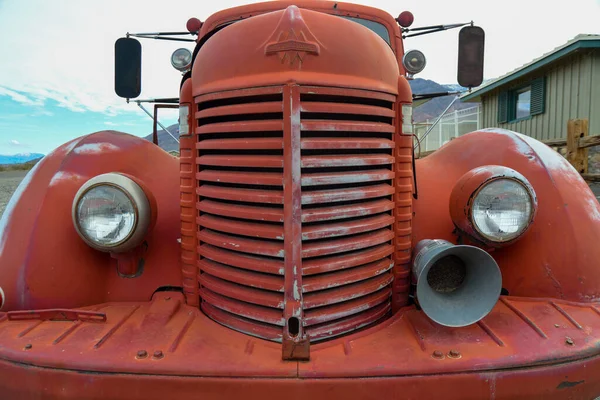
column 292, row 40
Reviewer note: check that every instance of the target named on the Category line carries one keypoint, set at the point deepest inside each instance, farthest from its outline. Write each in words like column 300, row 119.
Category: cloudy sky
column 56, row 69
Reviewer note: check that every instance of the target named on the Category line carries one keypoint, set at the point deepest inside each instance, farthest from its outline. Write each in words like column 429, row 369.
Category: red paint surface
column 521, row 342
column 282, row 215
column 558, row 256
column 45, row 264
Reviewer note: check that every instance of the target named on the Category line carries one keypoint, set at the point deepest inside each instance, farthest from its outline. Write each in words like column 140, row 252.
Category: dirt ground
column 9, row 180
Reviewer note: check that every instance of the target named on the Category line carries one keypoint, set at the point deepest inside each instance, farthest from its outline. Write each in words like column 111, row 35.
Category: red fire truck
column 296, row 249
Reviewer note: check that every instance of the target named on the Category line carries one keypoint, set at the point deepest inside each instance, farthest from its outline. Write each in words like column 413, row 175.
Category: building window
column 522, row 102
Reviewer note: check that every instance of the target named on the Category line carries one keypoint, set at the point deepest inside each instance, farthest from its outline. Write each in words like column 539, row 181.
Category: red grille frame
column 296, row 209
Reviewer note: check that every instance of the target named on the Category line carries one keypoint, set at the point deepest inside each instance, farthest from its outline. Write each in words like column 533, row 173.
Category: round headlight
column 493, row 204
column 502, row 210
column 414, row 61
column 181, row 59
column 111, row 213
column 106, row 215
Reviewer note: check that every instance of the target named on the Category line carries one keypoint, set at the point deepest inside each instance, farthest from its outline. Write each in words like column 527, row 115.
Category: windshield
column 376, row 27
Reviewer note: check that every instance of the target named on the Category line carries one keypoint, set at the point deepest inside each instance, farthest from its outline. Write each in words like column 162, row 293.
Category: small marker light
column 193, row 25
column 405, row 19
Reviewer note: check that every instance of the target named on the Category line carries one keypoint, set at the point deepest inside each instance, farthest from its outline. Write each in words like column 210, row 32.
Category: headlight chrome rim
column 519, row 233
column 135, row 215
column 181, row 52
column 139, row 202
column 465, row 192
column 406, row 61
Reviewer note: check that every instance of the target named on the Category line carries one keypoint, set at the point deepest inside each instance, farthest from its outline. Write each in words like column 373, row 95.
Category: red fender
column 43, row 261
column 559, row 256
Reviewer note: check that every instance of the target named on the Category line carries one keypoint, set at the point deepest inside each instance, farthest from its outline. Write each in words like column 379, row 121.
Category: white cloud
column 19, row 97
column 72, row 63
column 16, row 143
column 42, row 112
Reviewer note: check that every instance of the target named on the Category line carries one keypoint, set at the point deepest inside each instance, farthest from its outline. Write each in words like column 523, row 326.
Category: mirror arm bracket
column 425, row 96
column 424, row 30
column 156, row 121
column 162, row 36
column 169, row 100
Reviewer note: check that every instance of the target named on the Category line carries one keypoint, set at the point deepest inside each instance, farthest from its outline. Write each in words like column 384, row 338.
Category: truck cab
column 296, row 247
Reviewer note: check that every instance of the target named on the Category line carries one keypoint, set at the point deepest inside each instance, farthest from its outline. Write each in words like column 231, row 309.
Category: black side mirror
column 128, row 68
column 471, row 41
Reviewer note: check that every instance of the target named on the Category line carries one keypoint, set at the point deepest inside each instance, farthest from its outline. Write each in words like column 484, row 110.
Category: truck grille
column 331, row 229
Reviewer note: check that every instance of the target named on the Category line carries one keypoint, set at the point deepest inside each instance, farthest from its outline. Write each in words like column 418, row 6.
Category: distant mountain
column 165, row 141
column 433, row 108
column 453, row 86
column 19, row 158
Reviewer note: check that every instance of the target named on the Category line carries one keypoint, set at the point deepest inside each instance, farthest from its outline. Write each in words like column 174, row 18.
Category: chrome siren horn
column 457, row 285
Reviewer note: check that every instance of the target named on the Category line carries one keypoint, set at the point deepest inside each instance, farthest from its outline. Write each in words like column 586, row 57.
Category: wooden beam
column 578, row 157
column 589, row 141
column 555, row 142
column 591, row 177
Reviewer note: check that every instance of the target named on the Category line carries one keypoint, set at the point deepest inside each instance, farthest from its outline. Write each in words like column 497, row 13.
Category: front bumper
column 525, row 348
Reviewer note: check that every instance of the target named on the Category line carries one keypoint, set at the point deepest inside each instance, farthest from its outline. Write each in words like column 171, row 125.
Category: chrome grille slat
column 241, row 109
column 346, row 193
column 273, row 266
column 350, row 307
column 330, row 330
column 240, row 194
column 346, row 211
column 319, row 265
column 334, row 143
column 354, row 226
column 347, row 254
column 346, row 292
column 242, row 178
column 250, row 311
column 258, row 280
column 241, row 211
column 259, row 143
column 249, row 295
column 241, row 227
column 249, row 126
column 241, row 161
column 344, row 109
column 346, row 160
column 345, row 276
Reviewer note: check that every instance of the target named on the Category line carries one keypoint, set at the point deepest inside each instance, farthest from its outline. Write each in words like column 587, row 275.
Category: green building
column 539, row 98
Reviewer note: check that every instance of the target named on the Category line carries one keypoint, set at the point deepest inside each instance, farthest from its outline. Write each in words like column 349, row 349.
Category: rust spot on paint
column 568, row 384
column 555, row 282
column 249, row 347
column 347, row 348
